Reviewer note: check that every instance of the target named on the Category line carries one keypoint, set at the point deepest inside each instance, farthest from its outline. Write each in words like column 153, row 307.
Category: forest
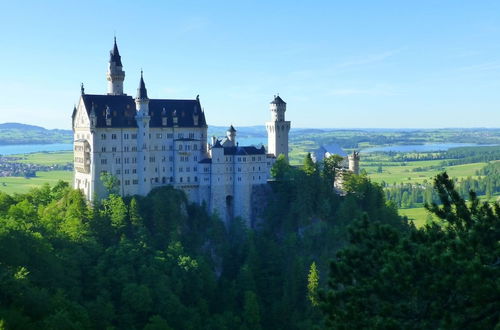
column 317, row 259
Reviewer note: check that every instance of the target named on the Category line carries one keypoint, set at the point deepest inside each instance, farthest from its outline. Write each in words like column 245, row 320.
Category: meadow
column 12, row 185
column 45, row 158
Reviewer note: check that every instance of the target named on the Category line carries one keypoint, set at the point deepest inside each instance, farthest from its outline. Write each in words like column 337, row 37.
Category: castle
column 147, row 143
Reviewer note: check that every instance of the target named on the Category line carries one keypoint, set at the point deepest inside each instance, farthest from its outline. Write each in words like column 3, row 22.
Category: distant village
column 11, row 166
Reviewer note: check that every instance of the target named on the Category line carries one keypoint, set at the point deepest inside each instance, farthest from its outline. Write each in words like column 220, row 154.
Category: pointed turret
column 115, row 74
column 142, row 93
column 114, row 55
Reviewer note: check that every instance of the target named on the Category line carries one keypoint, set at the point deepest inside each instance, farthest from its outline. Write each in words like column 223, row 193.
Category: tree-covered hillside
column 159, row 262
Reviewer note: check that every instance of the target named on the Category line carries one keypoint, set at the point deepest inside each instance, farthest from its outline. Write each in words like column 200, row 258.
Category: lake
column 30, row 148
column 421, row 147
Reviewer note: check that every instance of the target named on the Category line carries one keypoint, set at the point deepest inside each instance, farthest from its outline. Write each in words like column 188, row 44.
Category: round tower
column 231, row 134
column 354, row 162
column 143, row 143
column 115, row 74
column 278, row 128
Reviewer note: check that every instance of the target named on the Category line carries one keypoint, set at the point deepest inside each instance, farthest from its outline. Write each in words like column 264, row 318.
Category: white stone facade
column 147, row 143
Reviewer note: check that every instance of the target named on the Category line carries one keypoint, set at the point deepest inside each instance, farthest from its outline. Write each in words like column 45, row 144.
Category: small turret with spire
column 141, row 100
column 115, row 74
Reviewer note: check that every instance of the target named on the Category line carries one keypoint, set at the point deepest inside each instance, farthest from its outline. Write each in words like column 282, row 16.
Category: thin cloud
column 378, row 90
column 369, row 59
column 488, row 66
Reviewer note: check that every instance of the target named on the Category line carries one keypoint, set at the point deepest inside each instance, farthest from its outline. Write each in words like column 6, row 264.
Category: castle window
column 259, row 157
column 163, row 148
column 180, row 146
column 195, row 179
column 134, row 148
column 118, row 172
column 181, row 169
column 134, row 136
column 239, row 159
column 195, row 169
column 134, row 160
column 170, row 136
column 127, row 171
column 134, row 171
column 171, row 179
column 188, row 147
column 188, row 169
column 113, row 149
column 135, row 181
column 118, row 161
column 104, row 161
column 205, row 169
column 127, row 182
column 125, row 136
column 239, row 169
column 158, row 135
column 253, row 159
column 189, row 179
column 103, row 136
column 180, row 135
column 156, row 180
column 125, row 148
column 180, row 179
column 156, row 148
column 126, row 160
column 113, row 136
column 103, row 149
column 244, row 159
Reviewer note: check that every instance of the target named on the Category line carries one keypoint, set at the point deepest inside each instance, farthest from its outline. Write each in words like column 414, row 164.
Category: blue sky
column 338, row 64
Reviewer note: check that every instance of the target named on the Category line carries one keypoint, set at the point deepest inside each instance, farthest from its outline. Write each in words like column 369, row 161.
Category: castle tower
column 231, row 135
column 277, row 129
column 354, row 162
column 142, row 117
column 115, row 74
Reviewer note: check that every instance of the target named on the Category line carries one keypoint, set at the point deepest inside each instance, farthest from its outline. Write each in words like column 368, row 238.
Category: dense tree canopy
column 440, row 276
column 160, row 262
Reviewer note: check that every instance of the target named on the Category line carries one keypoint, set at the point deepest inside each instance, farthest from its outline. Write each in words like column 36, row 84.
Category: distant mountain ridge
column 18, row 133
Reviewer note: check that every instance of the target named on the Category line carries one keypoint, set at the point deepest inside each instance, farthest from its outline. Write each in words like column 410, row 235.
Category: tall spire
column 142, row 93
column 115, row 74
column 114, row 55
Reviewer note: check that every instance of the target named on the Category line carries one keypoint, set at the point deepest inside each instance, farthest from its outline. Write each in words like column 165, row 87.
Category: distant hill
column 17, row 133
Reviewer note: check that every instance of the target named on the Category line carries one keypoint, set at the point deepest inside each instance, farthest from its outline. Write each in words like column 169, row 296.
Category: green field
column 419, row 215
column 21, row 185
column 397, row 173
column 45, row 158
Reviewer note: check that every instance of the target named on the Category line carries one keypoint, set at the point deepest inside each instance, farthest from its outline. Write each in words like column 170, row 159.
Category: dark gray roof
column 217, row 144
column 114, row 55
column 333, row 149
column 231, row 129
column 278, row 100
column 205, row 161
column 122, row 108
column 142, row 93
column 247, row 150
